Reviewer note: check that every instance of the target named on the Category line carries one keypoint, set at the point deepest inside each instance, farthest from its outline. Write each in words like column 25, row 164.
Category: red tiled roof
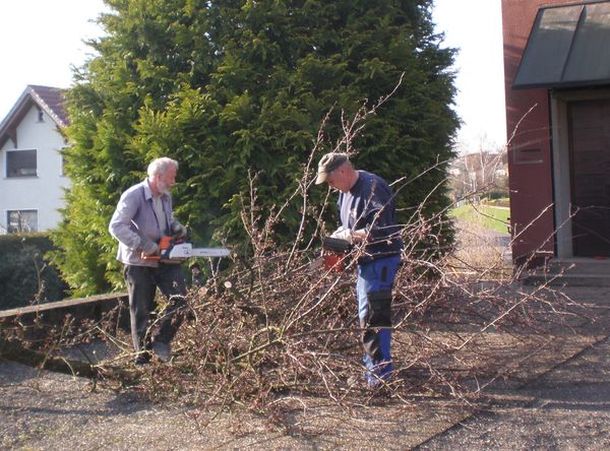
column 54, row 100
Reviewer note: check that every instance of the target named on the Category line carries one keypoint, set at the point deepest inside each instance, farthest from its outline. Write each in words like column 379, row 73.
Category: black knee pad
column 380, row 308
column 370, row 343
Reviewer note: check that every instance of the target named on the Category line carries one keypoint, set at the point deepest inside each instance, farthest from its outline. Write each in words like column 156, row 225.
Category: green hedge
column 25, row 276
column 498, row 202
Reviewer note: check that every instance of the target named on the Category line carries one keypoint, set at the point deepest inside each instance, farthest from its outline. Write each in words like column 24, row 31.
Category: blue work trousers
column 374, row 277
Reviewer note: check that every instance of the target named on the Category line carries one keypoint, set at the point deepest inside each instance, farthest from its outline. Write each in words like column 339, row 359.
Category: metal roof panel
column 568, row 46
column 590, row 57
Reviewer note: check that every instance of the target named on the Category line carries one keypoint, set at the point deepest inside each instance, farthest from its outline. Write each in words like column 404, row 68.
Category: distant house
column 557, row 81
column 32, row 178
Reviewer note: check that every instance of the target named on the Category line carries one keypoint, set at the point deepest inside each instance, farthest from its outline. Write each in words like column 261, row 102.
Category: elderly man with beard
column 143, row 215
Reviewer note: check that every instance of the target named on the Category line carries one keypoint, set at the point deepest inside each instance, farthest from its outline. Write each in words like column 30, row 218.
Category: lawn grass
column 489, row 217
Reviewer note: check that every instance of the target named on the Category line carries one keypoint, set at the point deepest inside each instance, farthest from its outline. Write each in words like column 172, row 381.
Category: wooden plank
column 66, row 303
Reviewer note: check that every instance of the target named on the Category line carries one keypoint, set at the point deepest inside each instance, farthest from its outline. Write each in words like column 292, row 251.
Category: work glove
column 343, row 234
column 149, row 247
column 178, row 230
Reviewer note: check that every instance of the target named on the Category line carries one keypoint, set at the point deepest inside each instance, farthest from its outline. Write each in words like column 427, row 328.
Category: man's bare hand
column 149, row 247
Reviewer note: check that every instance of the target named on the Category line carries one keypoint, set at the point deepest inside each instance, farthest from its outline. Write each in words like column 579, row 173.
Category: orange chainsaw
column 172, row 250
column 334, row 251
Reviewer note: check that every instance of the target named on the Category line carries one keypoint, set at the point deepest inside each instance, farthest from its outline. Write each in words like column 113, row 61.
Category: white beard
column 162, row 187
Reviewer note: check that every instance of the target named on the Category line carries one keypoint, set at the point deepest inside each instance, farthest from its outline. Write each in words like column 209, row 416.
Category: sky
column 42, row 39
column 474, row 27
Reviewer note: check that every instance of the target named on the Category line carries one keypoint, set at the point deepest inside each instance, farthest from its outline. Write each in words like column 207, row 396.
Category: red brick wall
column 529, row 142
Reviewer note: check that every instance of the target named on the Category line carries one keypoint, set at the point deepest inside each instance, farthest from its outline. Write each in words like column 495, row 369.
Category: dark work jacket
column 371, row 207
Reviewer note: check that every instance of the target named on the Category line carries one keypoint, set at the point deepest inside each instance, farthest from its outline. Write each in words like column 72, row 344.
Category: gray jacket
column 134, row 221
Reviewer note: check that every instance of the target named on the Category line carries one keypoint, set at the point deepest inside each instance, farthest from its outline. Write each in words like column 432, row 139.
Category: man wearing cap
column 367, row 212
column 144, row 214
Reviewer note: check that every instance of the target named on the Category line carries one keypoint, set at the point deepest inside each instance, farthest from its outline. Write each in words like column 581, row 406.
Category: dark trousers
column 142, row 283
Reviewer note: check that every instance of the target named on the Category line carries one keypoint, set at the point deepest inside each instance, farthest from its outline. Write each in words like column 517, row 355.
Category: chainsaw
column 334, row 251
column 175, row 251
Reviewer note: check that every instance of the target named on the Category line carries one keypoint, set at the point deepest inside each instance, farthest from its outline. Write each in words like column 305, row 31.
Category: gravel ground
column 562, row 403
column 568, row 409
column 54, row 411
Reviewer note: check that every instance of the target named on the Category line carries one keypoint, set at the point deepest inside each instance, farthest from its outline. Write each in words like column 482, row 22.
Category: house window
column 18, row 221
column 62, row 156
column 21, row 163
column 40, row 115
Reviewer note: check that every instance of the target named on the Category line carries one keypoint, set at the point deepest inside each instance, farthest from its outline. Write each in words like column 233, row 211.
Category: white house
column 32, row 179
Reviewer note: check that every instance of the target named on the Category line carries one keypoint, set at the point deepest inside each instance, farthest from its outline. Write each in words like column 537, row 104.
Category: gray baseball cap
column 328, row 163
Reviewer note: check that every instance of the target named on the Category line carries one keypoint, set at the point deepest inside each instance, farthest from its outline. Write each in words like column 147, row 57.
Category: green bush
column 499, row 202
column 25, row 276
column 496, row 194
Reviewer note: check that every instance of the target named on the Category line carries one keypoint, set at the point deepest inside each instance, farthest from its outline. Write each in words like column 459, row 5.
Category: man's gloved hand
column 178, row 230
column 343, row 234
column 149, row 247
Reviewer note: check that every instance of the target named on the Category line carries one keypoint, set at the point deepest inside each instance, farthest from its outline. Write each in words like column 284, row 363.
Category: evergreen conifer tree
column 231, row 88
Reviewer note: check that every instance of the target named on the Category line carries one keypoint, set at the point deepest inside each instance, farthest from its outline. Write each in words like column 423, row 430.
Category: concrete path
column 566, row 409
